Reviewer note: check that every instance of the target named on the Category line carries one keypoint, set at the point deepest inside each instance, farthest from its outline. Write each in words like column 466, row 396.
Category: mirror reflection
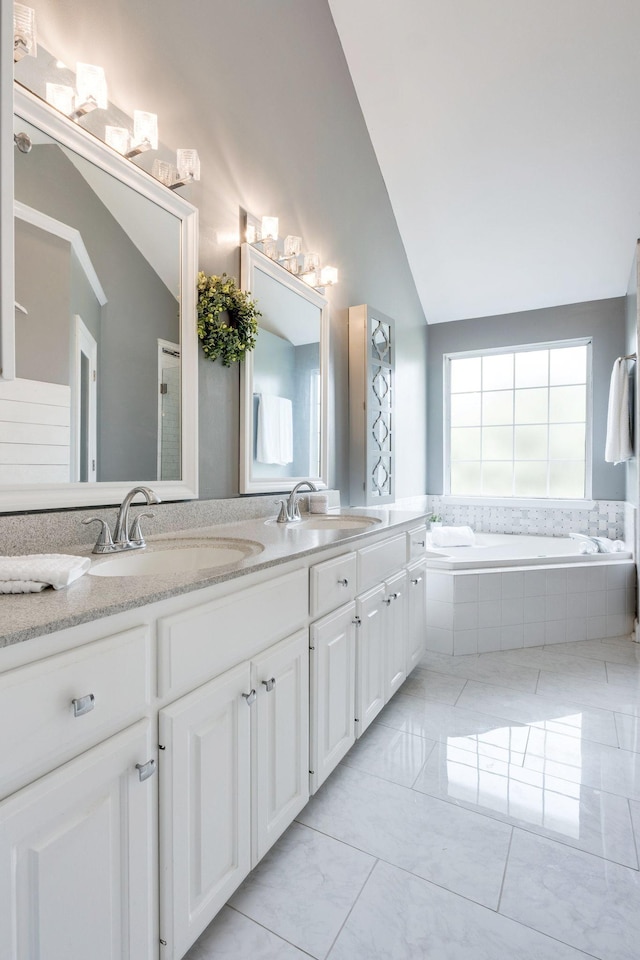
column 284, row 392
column 97, row 326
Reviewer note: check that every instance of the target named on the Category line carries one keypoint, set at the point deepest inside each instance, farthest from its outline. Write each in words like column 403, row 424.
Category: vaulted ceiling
column 508, row 135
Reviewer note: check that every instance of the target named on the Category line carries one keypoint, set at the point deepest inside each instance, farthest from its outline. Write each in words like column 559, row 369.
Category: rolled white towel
column 34, row 572
column 452, row 537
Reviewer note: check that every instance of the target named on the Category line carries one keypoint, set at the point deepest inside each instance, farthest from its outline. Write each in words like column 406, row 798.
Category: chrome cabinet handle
column 146, row 770
column 269, row 684
column 387, row 600
column 82, row 705
column 416, row 580
column 344, row 582
column 419, row 543
column 357, row 621
column 250, row 697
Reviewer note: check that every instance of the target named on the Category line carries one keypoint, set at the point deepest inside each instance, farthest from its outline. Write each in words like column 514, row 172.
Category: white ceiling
column 508, row 135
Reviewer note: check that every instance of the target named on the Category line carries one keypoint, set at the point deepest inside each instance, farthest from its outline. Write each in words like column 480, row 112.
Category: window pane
column 568, row 365
column 497, row 408
column 465, row 409
column 465, row 478
column 566, row 479
column 532, row 368
column 566, row 442
column 497, row 372
column 531, row 443
column 497, row 479
column 532, row 406
column 497, row 443
column 531, row 479
column 465, row 443
column 567, row 404
column 465, row 374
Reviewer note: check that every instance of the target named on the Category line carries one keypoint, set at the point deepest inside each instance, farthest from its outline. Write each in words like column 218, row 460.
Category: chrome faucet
column 126, row 536
column 289, row 509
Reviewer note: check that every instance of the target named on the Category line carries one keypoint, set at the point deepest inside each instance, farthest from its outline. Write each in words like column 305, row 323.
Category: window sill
column 517, row 503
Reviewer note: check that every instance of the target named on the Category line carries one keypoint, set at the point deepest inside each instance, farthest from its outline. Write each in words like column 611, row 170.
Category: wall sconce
column 118, row 138
column 91, row 90
column 292, row 246
column 145, row 133
column 61, row 97
column 164, row 171
column 269, row 228
column 328, row 276
column 188, row 167
column 24, row 32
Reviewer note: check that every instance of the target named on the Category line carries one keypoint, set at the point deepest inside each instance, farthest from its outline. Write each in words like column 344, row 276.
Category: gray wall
column 262, row 90
column 604, row 320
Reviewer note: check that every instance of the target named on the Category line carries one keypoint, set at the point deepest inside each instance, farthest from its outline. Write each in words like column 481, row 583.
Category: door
column 78, row 858
column 280, row 740
column 370, row 657
column 332, row 714
column 205, row 805
column 416, row 614
column 169, row 464
column 396, row 602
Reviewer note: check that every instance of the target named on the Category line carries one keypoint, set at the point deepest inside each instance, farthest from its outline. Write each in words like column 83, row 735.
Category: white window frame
column 479, row 500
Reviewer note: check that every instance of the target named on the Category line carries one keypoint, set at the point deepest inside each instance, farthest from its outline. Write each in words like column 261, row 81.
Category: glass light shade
column 311, row 263
column 24, row 32
column 311, row 277
column 91, row 86
column 117, row 137
column 188, row 164
column 269, row 228
column 291, row 264
column 61, row 97
column 270, row 248
column 328, row 276
column 164, row 171
column 292, row 246
column 145, row 129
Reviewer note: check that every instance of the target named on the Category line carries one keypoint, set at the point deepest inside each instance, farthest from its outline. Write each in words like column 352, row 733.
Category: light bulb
column 61, row 97
column 145, row 130
column 117, row 137
column 91, row 87
column 188, row 164
column 328, row 276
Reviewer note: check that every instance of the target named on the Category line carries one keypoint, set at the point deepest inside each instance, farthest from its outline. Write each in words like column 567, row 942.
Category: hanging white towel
column 32, row 573
column 275, row 430
column 619, row 444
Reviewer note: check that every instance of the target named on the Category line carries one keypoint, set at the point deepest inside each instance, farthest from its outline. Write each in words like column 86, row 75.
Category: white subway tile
column 512, row 611
column 555, row 631
column 440, row 614
column 616, row 602
column 576, row 628
column 439, row 586
column 465, row 587
column 577, row 579
column 535, row 583
column 555, row 607
column 440, row 641
column 533, row 635
column 489, row 586
column 596, row 628
column 488, row 639
column 465, row 641
column 596, row 603
column 576, row 605
column 596, row 577
column 512, row 585
column 556, row 581
column 489, row 613
column 512, row 636
column 465, row 616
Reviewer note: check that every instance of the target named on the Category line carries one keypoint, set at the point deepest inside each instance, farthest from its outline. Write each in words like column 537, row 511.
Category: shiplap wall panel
column 35, row 433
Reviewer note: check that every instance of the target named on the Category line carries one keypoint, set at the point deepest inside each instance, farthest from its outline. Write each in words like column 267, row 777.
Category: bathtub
column 500, row 549
column 510, row 591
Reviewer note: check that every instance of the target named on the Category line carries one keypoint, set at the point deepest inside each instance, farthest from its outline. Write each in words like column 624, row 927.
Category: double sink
column 216, row 552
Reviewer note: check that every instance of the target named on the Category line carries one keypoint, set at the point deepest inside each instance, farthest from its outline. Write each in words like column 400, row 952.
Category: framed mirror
column 99, row 383
column 283, row 399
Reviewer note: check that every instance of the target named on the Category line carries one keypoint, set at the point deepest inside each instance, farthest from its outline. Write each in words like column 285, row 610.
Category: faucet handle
column 104, row 543
column 283, row 516
column 295, row 509
column 135, row 533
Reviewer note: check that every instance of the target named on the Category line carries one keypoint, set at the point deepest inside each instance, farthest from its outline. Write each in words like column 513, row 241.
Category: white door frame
column 84, row 344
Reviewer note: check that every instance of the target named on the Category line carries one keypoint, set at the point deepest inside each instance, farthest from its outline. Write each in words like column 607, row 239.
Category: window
column 518, row 421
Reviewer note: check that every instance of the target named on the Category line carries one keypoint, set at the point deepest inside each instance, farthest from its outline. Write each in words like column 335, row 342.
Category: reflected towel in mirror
column 275, row 430
column 619, row 445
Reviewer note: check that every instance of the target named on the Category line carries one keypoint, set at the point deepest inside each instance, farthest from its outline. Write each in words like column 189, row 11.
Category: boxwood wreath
column 227, row 319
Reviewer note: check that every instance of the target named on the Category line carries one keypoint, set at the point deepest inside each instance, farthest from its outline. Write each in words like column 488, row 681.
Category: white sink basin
column 183, row 559
column 328, row 522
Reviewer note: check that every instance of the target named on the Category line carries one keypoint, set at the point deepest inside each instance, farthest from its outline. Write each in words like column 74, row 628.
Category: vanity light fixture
column 145, row 133
column 328, row 276
column 269, row 228
column 25, row 42
column 270, row 248
column 118, row 138
column 292, row 264
column 292, row 246
column 188, row 167
column 60, row 96
column 91, row 90
column 164, row 171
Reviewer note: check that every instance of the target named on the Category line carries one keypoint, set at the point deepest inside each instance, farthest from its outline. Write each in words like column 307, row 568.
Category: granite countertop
column 24, row 616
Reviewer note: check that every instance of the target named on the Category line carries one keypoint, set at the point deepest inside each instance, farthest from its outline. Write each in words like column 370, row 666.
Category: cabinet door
column 416, row 614
column 332, row 691
column 396, row 631
column 78, row 858
column 280, row 739
column 370, row 657
column 205, row 805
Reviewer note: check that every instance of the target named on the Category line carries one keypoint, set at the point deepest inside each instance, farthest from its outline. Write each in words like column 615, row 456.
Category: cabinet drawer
column 416, row 543
column 201, row 643
column 37, row 703
column 332, row 583
column 380, row 560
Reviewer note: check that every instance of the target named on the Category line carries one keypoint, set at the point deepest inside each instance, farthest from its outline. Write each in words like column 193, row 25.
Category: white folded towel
column 619, row 444
column 452, row 537
column 34, row 572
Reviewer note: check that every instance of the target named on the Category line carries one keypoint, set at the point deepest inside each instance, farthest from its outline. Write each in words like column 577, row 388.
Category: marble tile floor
column 491, row 811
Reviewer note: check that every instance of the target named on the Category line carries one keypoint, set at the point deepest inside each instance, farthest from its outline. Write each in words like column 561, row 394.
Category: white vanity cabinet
column 395, row 628
column 416, row 613
column 371, row 656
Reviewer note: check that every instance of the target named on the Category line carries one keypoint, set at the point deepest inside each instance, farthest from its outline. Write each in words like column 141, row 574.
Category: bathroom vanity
column 153, row 754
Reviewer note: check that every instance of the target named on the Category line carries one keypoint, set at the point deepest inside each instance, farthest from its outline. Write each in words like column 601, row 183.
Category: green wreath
column 227, row 319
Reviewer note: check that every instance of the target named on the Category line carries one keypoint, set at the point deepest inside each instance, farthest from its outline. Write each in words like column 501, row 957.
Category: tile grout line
column 504, row 872
column 351, row 908
column 272, row 932
column 636, row 838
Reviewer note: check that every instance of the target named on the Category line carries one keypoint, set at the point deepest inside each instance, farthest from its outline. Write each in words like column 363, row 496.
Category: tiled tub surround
column 498, row 609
